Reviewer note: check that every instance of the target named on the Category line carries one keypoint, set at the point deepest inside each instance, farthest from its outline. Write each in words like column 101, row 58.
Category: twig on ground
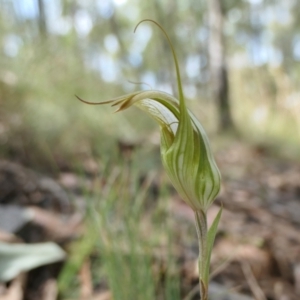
column 252, row 282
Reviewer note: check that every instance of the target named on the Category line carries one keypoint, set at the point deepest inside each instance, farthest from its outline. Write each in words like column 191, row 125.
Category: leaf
column 211, row 234
column 17, row 258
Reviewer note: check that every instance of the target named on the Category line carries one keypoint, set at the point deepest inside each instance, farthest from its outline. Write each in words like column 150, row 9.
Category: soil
column 257, row 249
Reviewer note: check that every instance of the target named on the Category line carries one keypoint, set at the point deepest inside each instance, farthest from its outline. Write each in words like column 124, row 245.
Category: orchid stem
column 201, row 227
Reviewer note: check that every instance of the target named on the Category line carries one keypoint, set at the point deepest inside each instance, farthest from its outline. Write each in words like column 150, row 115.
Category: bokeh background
column 240, row 70
column 52, row 50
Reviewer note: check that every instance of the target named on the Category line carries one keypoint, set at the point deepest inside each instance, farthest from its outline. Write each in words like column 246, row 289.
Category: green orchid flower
column 186, row 156
column 185, row 149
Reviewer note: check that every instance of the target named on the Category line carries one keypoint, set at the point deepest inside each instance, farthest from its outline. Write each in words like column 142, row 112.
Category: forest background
column 240, row 73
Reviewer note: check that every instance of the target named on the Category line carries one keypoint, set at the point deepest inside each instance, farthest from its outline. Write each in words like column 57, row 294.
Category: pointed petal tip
column 117, row 110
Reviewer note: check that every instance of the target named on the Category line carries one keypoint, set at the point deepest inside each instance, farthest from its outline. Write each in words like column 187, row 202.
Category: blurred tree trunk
column 218, row 68
column 42, row 19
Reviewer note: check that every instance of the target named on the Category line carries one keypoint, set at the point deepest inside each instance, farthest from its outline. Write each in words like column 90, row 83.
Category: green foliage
column 78, row 253
column 211, row 235
column 124, row 228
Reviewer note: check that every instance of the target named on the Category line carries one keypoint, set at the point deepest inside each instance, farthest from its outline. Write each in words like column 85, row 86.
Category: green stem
column 201, row 227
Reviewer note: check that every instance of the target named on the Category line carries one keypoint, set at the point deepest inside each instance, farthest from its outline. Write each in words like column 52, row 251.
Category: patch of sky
column 272, row 13
column 256, row 18
column 258, row 53
column 267, row 15
column 111, row 43
column 202, row 34
column 254, row 2
column 119, row 2
column 262, row 50
column 108, row 68
column 56, row 23
column 135, row 59
column 149, row 79
column 105, row 8
column 283, row 14
column 83, row 23
column 203, row 60
column 296, row 47
column 141, row 39
column 192, row 66
column 27, row 9
column 102, row 63
column 11, row 45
